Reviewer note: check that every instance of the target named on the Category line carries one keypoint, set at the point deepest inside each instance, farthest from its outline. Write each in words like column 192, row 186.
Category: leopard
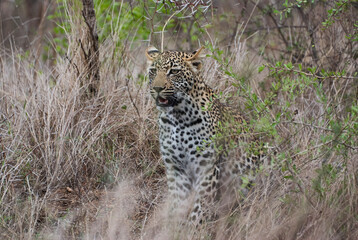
column 190, row 118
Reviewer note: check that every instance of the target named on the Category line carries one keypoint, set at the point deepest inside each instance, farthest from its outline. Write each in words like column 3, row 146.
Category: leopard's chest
column 183, row 136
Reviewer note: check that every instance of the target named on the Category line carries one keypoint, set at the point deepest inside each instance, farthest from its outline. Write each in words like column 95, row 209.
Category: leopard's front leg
column 180, row 187
column 205, row 188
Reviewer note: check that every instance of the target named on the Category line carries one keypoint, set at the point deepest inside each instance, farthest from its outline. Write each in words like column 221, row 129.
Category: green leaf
column 300, row 66
column 261, row 68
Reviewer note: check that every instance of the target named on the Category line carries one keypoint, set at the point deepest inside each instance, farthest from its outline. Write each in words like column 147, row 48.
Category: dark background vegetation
column 78, row 135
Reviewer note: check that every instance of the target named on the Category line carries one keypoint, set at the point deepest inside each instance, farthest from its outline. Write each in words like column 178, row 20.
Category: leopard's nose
column 158, row 89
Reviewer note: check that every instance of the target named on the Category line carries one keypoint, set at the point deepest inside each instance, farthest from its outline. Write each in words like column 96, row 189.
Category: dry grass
column 60, row 151
column 90, row 168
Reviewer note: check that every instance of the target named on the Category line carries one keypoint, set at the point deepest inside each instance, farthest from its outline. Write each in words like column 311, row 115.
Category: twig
column 162, row 43
column 348, row 146
column 300, row 187
column 71, row 63
column 131, row 99
column 312, row 74
column 308, row 125
column 311, row 33
column 275, row 22
column 83, row 49
column 273, row 28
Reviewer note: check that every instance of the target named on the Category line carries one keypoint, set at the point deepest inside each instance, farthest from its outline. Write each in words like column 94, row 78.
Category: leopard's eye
column 173, row 71
column 152, row 71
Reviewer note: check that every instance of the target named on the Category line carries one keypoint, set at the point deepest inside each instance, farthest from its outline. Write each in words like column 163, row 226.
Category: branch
column 311, row 74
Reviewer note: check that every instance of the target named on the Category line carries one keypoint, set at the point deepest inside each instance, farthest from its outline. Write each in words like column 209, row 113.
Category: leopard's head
column 172, row 74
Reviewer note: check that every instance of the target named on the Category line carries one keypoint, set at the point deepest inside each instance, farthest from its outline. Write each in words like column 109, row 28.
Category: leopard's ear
column 194, row 60
column 151, row 53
